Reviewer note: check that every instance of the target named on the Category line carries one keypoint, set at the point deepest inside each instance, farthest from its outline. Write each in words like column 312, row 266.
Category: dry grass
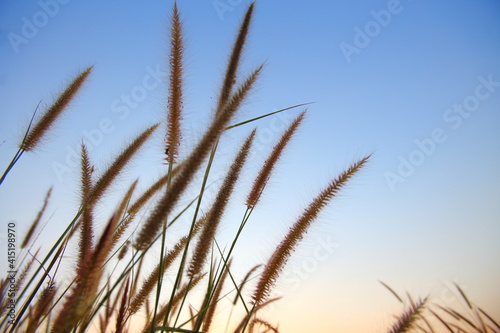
column 114, row 287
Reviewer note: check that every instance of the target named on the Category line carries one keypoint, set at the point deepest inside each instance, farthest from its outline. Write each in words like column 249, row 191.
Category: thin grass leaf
column 266, row 115
column 264, row 323
column 243, row 324
column 243, row 283
column 392, row 291
column 215, row 298
column 449, row 312
column 214, row 216
column 179, row 297
column 441, row 320
column 20, row 151
column 150, row 282
column 462, row 317
column 489, row 318
column 165, row 205
column 424, row 319
column 174, row 116
column 464, row 296
column 480, row 320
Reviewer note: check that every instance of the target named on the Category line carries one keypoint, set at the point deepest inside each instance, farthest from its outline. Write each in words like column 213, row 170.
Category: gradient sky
column 415, row 82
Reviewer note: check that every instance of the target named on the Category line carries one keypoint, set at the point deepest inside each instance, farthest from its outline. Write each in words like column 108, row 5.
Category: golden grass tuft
column 151, row 281
column 41, row 307
column 284, row 250
column 41, row 128
column 192, row 163
column 406, row 322
column 114, row 285
column 265, row 173
column 173, row 136
column 214, row 299
column 121, row 320
column 234, row 60
column 87, row 217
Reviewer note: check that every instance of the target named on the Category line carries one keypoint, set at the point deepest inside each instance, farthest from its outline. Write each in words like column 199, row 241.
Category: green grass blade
column 266, row 115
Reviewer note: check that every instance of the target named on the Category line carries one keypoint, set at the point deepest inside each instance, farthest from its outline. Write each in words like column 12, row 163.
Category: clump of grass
column 424, row 316
column 114, row 286
column 285, row 249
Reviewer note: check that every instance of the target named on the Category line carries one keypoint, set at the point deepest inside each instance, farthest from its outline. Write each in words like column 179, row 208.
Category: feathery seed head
column 215, row 214
column 284, row 250
column 192, row 163
column 175, row 89
column 265, row 173
column 234, row 59
column 119, row 163
column 43, row 125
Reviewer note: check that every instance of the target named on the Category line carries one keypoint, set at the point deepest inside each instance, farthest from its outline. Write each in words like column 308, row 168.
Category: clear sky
column 415, row 82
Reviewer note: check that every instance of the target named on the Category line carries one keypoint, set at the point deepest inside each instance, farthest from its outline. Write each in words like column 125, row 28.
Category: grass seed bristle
column 46, row 122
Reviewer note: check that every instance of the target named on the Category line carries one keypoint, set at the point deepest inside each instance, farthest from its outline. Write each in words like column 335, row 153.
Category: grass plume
column 111, row 278
column 175, row 89
column 87, row 217
column 214, row 216
column 265, row 173
column 407, row 320
column 150, row 282
column 103, row 183
column 284, row 250
column 235, row 59
column 120, row 321
column 191, row 165
column 46, row 122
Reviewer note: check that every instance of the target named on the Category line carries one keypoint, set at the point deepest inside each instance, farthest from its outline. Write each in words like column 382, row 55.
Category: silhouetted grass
column 114, row 287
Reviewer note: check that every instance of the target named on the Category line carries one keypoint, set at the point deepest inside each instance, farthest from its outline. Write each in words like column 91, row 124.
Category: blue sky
column 415, row 82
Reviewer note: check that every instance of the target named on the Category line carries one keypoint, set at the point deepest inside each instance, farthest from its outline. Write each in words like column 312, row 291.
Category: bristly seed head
column 284, row 250
column 41, row 128
column 174, row 115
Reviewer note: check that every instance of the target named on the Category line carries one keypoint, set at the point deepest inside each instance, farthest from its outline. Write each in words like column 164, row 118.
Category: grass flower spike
column 161, row 246
column 175, row 89
column 45, row 123
column 284, row 250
